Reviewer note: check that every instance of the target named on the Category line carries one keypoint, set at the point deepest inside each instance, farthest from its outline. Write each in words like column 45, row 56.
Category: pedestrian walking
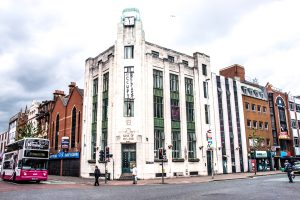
column 289, row 170
column 97, row 175
column 134, row 174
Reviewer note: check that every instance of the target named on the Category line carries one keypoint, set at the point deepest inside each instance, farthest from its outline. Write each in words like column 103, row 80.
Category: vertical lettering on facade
column 129, row 83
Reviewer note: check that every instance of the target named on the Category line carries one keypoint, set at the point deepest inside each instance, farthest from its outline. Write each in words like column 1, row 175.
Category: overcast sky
column 44, row 44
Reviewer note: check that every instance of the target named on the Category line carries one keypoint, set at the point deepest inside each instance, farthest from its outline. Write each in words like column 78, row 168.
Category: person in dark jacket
column 289, row 169
column 97, row 175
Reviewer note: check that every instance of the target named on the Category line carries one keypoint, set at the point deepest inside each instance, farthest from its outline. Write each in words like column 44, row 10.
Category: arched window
column 282, row 116
column 52, row 134
column 78, row 131
column 56, row 132
column 73, row 128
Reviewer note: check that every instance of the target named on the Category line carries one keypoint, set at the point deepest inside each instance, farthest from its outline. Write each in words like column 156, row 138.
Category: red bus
column 26, row 160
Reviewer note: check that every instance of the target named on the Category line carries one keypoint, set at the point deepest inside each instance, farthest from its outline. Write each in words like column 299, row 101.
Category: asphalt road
column 264, row 187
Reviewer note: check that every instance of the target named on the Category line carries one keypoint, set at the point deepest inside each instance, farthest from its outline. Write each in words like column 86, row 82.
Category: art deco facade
column 140, row 97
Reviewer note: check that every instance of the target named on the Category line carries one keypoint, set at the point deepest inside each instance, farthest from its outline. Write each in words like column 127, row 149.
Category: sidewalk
column 174, row 180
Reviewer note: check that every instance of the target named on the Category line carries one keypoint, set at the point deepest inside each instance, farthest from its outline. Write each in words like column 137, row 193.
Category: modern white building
column 140, row 97
column 294, row 107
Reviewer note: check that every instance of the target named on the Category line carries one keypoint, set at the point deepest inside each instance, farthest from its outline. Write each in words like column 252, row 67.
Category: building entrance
column 128, row 157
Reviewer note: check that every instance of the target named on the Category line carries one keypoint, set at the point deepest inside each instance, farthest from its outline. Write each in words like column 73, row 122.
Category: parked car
column 296, row 167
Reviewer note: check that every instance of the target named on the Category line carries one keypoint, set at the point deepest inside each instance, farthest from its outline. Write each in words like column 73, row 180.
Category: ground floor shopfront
column 126, row 155
column 64, row 164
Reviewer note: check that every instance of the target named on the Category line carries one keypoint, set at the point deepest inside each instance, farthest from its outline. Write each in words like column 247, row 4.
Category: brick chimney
column 235, row 71
column 71, row 87
column 58, row 93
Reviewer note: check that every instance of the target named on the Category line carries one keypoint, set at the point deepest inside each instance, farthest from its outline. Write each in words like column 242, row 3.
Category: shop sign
column 65, row 141
column 261, row 154
column 283, row 135
column 65, row 155
column 209, row 139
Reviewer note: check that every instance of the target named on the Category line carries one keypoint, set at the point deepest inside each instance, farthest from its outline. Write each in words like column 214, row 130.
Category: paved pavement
column 176, row 180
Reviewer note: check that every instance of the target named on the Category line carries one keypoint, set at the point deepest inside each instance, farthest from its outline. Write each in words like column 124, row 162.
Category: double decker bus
column 26, row 160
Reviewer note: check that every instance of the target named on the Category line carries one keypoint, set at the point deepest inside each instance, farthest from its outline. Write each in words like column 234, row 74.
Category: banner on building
column 129, row 83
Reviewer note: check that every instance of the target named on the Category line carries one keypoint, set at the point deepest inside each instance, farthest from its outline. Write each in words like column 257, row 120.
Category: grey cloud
column 214, row 19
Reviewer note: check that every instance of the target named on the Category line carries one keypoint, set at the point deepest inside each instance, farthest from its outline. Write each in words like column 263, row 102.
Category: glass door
column 128, row 157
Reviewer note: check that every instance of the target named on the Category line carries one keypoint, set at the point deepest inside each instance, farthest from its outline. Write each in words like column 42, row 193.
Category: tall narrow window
column 282, row 115
column 191, row 145
column 204, row 70
column 94, row 112
column 73, row 128
column 94, row 119
column 105, row 82
column 157, row 79
column 158, row 107
column 79, row 128
column 205, row 89
column 159, row 141
column 174, row 83
column 207, row 117
column 190, row 111
column 188, row 86
column 176, row 143
column 104, row 109
column 95, row 87
column 104, row 139
column 53, row 136
column 56, row 132
column 128, row 52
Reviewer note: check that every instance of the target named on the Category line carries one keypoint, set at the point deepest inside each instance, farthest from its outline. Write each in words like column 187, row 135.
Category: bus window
column 20, row 164
column 34, row 164
column 7, row 165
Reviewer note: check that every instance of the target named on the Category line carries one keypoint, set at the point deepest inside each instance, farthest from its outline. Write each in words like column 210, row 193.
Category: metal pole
column 105, row 172
column 212, row 164
column 162, row 171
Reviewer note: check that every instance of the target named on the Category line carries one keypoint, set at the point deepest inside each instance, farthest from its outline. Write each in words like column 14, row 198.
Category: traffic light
column 106, row 152
column 160, row 153
column 101, row 155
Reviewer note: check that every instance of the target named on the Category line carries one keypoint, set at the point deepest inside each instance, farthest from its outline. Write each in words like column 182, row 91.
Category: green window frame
column 176, row 144
column 192, row 153
column 159, row 141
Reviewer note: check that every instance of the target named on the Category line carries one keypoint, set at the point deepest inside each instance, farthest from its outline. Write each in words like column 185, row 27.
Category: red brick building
column 65, row 132
column 280, row 118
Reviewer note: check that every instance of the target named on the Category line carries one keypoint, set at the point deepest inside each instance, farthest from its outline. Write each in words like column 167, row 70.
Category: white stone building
column 140, row 97
column 230, row 126
column 12, row 129
column 32, row 113
column 294, row 107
